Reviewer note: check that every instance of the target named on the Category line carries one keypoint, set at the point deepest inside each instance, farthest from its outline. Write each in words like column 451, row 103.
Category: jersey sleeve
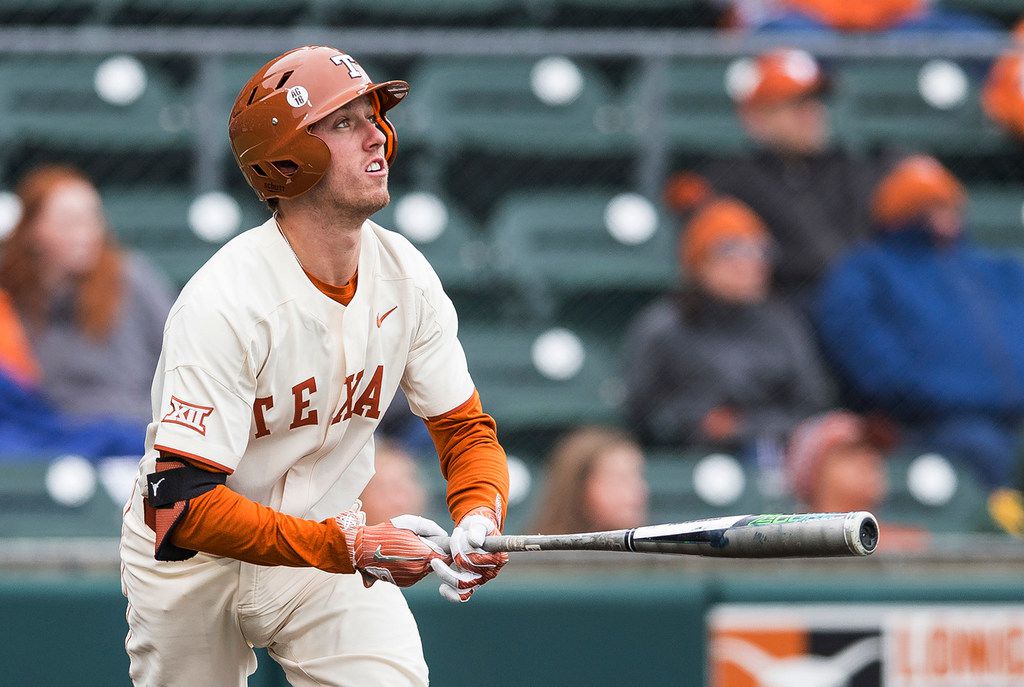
column 436, row 377
column 205, row 388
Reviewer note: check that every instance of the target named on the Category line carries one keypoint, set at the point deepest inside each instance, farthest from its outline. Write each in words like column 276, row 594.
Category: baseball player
column 278, row 360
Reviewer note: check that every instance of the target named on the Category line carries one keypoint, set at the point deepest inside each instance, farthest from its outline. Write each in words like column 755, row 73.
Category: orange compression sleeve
column 472, row 461
column 225, row 523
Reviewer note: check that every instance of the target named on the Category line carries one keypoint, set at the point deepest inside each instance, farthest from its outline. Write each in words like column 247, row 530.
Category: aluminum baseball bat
column 799, row 535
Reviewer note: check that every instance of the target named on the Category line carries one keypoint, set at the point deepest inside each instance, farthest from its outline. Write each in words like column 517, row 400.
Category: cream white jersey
column 265, row 376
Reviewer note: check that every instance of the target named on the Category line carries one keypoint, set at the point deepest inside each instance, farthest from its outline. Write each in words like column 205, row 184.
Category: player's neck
column 329, row 250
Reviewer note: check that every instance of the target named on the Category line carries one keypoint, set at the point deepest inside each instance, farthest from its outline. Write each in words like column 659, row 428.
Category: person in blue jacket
column 927, row 327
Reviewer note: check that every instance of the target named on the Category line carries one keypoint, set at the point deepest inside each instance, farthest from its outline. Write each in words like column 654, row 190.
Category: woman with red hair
column 93, row 313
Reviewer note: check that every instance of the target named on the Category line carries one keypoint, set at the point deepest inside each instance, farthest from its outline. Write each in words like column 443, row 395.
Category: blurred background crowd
column 759, row 267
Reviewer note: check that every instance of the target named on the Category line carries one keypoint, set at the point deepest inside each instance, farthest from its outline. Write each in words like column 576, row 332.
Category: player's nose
column 375, row 138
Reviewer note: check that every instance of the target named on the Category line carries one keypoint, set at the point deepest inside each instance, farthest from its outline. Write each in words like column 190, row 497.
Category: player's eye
column 342, row 123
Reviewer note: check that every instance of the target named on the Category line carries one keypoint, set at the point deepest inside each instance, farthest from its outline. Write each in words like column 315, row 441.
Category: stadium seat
column 883, row 102
column 156, row 222
column 964, row 510
column 490, row 104
column 995, row 214
column 699, row 115
column 416, row 12
column 29, row 509
column 1009, row 10
column 213, row 12
column 520, row 397
column 675, row 494
column 558, row 244
column 459, row 253
column 53, row 102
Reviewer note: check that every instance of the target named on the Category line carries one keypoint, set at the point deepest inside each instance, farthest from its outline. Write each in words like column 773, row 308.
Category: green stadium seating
column 995, row 215
column 880, row 102
column 432, row 11
column 488, row 104
column 1004, row 9
column 459, row 254
column 28, row 510
column 57, row 11
column 699, row 115
column 155, row 221
column 674, row 497
column 520, row 398
column 52, row 102
column 555, row 244
column 963, row 513
column 214, row 12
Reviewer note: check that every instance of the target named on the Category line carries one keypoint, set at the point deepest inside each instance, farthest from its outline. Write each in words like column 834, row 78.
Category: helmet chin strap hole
column 286, row 167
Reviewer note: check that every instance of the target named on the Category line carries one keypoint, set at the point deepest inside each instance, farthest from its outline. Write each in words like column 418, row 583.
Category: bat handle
column 492, row 544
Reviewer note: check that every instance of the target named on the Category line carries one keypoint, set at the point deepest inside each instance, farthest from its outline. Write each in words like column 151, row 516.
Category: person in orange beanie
column 812, row 194
column 721, row 362
column 924, row 326
column 1003, row 95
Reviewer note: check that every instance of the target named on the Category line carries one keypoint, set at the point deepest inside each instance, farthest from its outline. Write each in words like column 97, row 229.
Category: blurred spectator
column 813, row 196
column 595, row 482
column 836, row 464
column 400, row 424
column 1003, row 96
column 396, row 486
column 94, row 314
column 926, row 326
column 721, row 363
column 29, row 426
column 860, row 15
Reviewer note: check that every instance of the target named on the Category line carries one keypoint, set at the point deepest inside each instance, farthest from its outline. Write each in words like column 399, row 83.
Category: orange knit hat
column 1003, row 96
column 775, row 77
column 720, row 220
column 914, row 184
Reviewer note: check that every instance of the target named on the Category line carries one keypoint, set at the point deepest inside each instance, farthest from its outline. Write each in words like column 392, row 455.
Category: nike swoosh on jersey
column 380, row 318
column 378, row 555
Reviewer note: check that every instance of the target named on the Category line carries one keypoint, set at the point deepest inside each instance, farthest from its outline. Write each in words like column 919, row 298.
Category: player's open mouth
column 376, row 167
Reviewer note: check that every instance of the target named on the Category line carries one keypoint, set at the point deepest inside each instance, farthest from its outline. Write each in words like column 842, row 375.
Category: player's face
column 69, row 230
column 616, row 492
column 357, row 180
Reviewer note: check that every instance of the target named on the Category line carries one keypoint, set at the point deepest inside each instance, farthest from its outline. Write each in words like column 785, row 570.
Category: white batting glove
column 396, row 551
column 471, row 566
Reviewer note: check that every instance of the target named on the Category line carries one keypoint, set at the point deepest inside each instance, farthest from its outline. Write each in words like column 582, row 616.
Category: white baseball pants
column 195, row 622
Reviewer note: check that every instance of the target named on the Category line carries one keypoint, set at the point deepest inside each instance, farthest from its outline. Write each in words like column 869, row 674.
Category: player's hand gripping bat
column 807, row 535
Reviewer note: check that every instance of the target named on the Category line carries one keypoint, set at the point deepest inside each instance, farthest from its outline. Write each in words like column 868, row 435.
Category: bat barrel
column 803, row 535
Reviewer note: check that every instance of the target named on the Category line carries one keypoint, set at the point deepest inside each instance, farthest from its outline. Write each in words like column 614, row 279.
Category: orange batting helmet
column 270, row 120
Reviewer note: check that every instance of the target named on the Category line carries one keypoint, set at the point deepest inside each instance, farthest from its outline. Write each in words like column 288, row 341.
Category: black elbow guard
column 168, row 491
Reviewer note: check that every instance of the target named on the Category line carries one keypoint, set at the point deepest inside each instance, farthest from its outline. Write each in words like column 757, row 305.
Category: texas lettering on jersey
column 360, row 399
